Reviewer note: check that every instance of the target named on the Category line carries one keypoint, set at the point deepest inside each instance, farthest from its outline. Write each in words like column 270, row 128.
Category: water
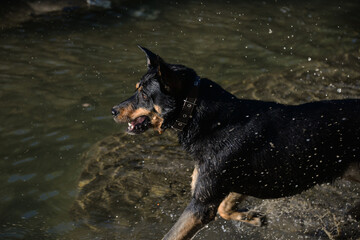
column 60, row 76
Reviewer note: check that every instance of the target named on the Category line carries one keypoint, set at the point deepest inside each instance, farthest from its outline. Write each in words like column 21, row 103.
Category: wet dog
column 241, row 147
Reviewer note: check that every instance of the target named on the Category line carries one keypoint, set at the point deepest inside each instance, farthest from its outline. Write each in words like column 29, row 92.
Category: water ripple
column 20, row 131
column 52, row 134
column 66, row 147
column 53, row 175
column 48, row 195
column 24, row 178
column 29, row 214
column 63, row 138
column 27, row 139
column 23, row 161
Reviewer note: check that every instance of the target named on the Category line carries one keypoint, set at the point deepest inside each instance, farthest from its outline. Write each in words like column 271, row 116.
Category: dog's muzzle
column 114, row 112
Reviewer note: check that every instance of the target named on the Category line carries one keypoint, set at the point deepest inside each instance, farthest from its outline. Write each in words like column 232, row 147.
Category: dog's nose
column 114, row 112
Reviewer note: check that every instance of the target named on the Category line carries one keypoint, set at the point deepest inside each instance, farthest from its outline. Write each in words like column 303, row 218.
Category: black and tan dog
column 242, row 147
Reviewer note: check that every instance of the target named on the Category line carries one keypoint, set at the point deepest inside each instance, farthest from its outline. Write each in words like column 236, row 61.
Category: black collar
column 188, row 107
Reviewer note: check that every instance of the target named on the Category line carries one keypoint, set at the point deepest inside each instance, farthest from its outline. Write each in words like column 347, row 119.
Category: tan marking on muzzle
column 124, row 113
column 156, row 122
column 140, row 112
column 137, row 85
column 155, row 119
column 128, row 113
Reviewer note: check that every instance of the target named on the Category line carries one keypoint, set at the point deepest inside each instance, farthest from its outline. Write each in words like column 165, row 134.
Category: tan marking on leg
column 185, row 228
column 229, row 205
column 189, row 224
column 137, row 85
column 194, row 177
column 228, row 210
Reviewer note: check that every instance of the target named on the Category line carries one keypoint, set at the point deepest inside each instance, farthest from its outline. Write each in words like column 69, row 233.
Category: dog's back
column 270, row 150
column 291, row 148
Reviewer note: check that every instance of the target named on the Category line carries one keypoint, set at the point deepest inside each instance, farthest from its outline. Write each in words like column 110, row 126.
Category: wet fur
column 256, row 148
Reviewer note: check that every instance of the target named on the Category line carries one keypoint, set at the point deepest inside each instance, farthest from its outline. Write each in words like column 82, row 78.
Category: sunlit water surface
column 60, row 76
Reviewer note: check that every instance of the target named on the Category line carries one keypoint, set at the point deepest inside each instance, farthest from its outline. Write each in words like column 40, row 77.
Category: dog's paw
column 254, row 218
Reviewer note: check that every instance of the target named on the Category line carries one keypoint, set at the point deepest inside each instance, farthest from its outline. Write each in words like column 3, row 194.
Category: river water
column 60, row 76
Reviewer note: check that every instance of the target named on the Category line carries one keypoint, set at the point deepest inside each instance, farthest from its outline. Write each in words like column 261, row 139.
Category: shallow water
column 60, row 76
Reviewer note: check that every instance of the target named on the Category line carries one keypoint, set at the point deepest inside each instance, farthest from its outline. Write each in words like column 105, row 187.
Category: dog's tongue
column 137, row 121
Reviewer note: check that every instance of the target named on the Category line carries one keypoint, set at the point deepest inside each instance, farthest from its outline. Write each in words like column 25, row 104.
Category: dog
column 241, row 147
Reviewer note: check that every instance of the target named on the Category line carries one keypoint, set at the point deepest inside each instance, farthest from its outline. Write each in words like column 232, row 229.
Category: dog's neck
column 188, row 108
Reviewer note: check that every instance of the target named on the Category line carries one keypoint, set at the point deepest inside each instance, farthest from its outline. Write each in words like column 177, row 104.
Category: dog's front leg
column 195, row 216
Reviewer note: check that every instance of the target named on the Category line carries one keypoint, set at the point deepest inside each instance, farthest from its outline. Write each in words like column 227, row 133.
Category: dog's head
column 158, row 97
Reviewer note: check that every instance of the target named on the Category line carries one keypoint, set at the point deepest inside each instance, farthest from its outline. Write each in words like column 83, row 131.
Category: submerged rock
column 133, row 184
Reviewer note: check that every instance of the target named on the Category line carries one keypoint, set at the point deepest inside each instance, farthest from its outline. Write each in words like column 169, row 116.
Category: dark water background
column 60, row 76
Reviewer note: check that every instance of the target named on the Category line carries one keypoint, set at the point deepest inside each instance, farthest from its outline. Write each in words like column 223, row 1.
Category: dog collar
column 188, row 107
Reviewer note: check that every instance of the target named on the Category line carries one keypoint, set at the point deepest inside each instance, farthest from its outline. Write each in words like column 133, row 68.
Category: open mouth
column 138, row 125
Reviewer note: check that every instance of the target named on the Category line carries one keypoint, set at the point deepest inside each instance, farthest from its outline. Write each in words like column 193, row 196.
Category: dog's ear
column 170, row 81
column 152, row 60
column 167, row 77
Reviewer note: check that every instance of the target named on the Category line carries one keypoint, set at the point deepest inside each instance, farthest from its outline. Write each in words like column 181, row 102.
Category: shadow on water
column 61, row 73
